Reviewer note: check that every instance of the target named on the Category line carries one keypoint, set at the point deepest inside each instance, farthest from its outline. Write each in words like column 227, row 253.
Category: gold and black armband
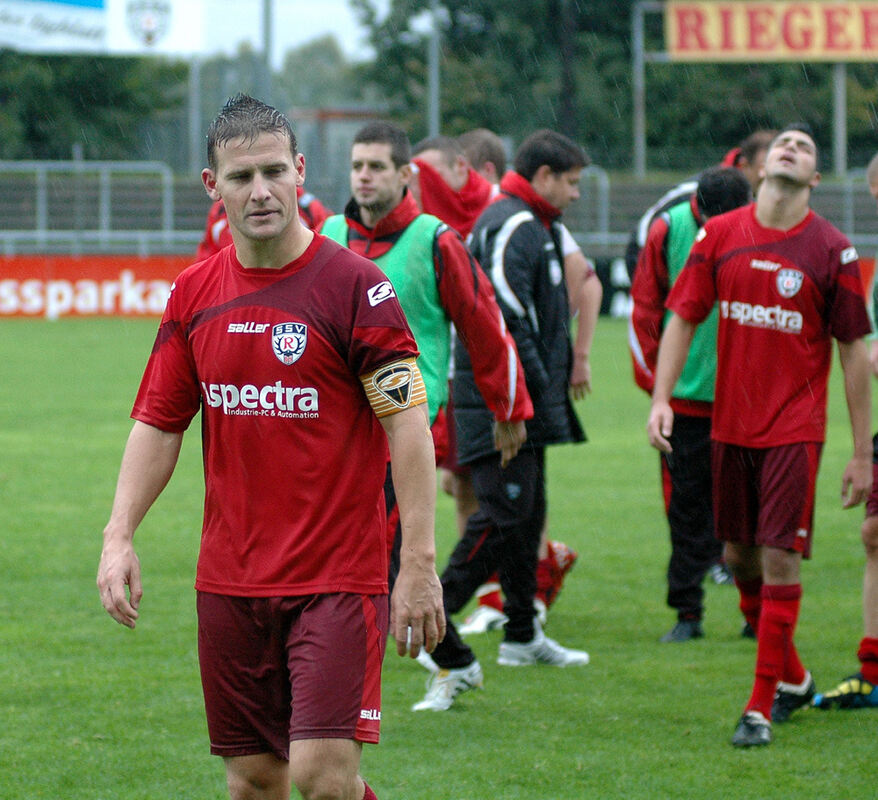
column 395, row 387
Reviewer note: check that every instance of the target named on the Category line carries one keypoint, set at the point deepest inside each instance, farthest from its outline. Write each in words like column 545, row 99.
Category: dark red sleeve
column 649, row 290
column 848, row 317
column 468, row 299
column 216, row 232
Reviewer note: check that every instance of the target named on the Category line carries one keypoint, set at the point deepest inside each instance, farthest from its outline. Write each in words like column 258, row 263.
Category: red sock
column 369, row 794
column 488, row 594
column 868, row 655
column 548, row 582
column 776, row 656
column 750, row 600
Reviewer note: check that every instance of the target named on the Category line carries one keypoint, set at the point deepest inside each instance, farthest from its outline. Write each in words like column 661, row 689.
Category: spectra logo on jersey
column 395, row 383
column 380, row 292
column 775, row 318
column 288, row 341
column 275, row 400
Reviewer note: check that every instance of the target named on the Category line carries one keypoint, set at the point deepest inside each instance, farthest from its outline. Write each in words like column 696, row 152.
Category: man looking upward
column 787, row 283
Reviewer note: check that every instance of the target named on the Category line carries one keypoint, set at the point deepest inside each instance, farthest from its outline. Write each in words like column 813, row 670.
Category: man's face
column 257, row 183
column 377, row 185
column 792, row 157
column 559, row 189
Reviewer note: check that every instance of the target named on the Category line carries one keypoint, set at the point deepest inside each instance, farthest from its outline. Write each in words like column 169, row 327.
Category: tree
column 317, row 75
column 48, row 104
column 566, row 64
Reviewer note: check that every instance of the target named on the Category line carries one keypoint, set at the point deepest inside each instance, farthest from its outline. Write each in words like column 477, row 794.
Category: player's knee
column 317, row 782
column 869, row 532
column 257, row 777
column 742, row 561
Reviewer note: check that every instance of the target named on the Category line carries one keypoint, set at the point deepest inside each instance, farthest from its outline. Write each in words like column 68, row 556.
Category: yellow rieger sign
column 772, row 31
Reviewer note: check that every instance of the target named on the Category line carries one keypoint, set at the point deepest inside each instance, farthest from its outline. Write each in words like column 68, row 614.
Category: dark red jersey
column 294, row 455
column 783, row 296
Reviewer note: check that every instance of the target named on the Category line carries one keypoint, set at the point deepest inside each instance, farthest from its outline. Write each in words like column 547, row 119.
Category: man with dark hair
column 299, row 357
column 386, row 133
column 438, row 283
column 860, row 690
column 517, row 236
column 787, row 283
column 685, row 477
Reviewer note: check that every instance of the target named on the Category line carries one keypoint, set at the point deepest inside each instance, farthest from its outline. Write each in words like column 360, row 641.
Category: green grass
column 93, row 711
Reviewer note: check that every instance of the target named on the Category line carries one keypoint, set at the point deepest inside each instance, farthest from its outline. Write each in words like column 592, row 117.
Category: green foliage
column 567, row 65
column 48, row 104
column 319, row 75
column 93, row 711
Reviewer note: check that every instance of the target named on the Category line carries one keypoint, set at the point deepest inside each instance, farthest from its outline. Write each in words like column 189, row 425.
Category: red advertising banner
column 771, row 31
column 52, row 286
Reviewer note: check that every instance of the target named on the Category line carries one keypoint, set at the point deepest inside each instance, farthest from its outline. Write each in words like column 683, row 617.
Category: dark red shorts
column 448, row 460
column 277, row 669
column 872, row 500
column 765, row 496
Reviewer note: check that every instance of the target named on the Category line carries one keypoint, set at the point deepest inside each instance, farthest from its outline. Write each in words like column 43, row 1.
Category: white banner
column 104, row 27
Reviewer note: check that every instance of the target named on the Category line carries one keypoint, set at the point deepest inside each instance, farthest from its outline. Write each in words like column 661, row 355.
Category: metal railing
column 43, row 234
column 82, row 206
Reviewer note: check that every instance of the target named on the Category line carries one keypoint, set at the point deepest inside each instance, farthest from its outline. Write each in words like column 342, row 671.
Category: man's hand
column 580, row 376
column 856, row 482
column 417, row 617
column 508, row 439
column 120, row 569
column 660, row 425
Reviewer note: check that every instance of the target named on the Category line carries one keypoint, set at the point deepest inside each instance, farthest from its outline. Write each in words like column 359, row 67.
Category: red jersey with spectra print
column 294, row 455
column 783, row 296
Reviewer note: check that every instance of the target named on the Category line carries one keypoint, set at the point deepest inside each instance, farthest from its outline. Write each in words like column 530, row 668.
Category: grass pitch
column 93, row 711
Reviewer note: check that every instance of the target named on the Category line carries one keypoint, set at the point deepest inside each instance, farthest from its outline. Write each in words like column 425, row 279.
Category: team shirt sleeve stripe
column 394, row 387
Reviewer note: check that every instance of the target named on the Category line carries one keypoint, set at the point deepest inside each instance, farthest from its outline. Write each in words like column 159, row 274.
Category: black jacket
column 522, row 259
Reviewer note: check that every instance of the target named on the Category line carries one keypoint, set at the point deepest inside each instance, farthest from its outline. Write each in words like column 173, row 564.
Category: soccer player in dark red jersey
column 299, row 357
column 787, row 283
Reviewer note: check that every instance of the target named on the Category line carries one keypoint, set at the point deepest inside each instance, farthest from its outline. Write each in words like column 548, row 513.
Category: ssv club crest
column 288, row 341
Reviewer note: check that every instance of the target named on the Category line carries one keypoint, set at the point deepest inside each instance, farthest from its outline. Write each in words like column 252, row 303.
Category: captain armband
column 394, row 387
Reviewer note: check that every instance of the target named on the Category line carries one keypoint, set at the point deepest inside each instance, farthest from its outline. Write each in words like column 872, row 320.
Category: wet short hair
column 721, row 189
column 481, row 146
column 245, row 117
column 549, row 148
column 381, row 132
column 446, row 145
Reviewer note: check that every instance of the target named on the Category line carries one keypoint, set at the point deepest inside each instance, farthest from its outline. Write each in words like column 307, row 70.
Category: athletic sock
column 750, row 601
column 369, row 794
column 488, row 594
column 776, row 656
column 548, row 581
column 868, row 655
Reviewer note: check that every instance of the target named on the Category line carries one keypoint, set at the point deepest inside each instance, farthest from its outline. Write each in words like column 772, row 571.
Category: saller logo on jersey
column 288, row 341
column 789, row 281
column 395, row 383
column 380, row 292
